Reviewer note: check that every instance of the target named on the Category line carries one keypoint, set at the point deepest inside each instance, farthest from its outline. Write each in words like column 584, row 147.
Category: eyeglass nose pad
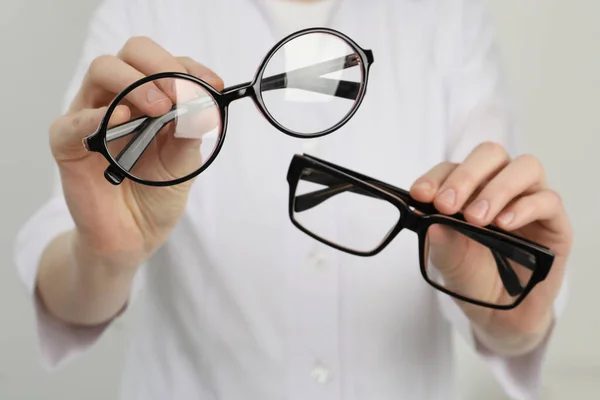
column 113, row 175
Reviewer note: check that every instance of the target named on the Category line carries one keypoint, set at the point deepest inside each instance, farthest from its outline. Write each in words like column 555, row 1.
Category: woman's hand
column 489, row 187
column 85, row 275
column 121, row 224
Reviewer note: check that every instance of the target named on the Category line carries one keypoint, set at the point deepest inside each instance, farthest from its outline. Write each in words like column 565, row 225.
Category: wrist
column 90, row 262
column 509, row 341
column 79, row 288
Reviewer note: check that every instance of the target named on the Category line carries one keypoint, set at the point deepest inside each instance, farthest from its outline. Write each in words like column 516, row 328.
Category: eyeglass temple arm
column 332, row 87
column 145, row 130
column 310, row 78
column 499, row 249
column 508, row 275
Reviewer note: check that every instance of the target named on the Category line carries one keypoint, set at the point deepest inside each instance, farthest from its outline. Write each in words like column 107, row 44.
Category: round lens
column 173, row 130
column 312, row 83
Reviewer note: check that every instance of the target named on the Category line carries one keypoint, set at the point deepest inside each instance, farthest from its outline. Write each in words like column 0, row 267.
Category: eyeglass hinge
column 410, row 220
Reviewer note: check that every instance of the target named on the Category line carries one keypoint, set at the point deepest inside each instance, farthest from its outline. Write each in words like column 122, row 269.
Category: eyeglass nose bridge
column 408, row 218
column 237, row 92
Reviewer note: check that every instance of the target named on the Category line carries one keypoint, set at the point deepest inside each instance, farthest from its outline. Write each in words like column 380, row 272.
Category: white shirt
column 288, row 16
column 239, row 304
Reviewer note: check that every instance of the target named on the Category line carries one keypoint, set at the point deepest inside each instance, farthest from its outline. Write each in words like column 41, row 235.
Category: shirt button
column 320, row 374
column 318, row 260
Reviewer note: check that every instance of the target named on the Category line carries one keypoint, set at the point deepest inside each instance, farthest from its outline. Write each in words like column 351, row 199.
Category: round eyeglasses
column 309, row 84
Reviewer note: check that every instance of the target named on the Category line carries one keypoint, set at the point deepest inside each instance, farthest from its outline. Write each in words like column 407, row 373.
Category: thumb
column 67, row 131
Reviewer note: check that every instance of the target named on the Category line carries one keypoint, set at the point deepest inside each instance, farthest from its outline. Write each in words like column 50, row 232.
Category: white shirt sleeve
column 479, row 111
column 111, row 25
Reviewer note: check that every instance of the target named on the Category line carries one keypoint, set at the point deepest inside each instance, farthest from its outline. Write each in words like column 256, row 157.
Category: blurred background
column 552, row 58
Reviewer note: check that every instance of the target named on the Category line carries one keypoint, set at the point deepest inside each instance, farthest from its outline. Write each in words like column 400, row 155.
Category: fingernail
column 154, row 96
column 423, row 186
column 448, row 197
column 479, row 209
column 506, row 218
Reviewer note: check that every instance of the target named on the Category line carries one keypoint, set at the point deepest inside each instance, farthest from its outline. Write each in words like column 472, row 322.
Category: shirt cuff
column 42, row 227
column 57, row 342
column 519, row 376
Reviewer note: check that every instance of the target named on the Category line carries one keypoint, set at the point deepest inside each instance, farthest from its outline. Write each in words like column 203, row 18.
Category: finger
column 148, row 57
column 67, row 131
column 181, row 156
column 466, row 267
column 447, row 248
column 196, row 124
column 544, row 206
column 524, row 175
column 202, row 72
column 479, row 166
column 184, row 90
column 167, row 158
column 425, row 187
column 110, row 74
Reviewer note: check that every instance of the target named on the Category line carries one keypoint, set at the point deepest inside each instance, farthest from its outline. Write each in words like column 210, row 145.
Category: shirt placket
column 315, row 312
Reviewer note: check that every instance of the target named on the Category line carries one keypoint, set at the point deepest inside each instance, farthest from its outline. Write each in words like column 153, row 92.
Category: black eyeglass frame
column 418, row 223
column 115, row 173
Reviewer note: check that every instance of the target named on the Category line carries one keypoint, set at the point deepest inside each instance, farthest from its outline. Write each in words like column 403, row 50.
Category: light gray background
column 553, row 60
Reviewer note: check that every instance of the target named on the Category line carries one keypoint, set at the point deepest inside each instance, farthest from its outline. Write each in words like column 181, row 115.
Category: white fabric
column 239, row 304
column 289, row 16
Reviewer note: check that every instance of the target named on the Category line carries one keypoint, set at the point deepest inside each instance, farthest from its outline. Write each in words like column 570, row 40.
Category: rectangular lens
column 477, row 266
column 341, row 212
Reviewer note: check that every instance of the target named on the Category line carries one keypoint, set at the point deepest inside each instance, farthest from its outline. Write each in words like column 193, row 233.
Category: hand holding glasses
column 302, row 96
column 513, row 267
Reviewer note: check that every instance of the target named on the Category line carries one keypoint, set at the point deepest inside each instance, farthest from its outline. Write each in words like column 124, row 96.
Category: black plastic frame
column 417, row 217
column 115, row 173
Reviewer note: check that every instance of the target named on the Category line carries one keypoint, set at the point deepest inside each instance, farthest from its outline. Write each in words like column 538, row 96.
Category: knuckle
column 533, row 165
column 529, row 159
column 493, row 149
column 76, row 122
column 185, row 60
column 134, row 43
column 554, row 198
column 57, row 125
column 463, row 179
column 447, row 165
column 442, row 169
column 98, row 64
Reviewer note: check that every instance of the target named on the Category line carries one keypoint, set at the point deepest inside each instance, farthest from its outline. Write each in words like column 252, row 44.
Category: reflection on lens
column 476, row 266
column 312, row 82
column 171, row 140
column 321, row 199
